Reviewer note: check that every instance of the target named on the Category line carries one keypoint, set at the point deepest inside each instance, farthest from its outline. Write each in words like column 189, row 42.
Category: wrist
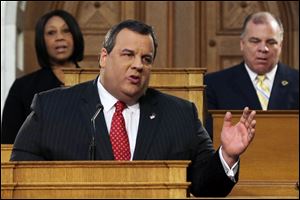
column 229, row 159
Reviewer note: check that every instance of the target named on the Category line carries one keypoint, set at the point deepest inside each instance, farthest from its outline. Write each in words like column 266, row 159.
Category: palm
column 236, row 138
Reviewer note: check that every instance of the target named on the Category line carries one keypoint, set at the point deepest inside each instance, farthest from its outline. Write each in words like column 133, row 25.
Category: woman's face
column 59, row 40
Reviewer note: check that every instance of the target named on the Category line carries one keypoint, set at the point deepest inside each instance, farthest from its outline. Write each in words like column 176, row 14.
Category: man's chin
column 262, row 66
column 132, row 95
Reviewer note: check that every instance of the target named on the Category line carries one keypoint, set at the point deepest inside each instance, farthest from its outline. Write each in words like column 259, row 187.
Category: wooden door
column 223, row 25
column 203, row 34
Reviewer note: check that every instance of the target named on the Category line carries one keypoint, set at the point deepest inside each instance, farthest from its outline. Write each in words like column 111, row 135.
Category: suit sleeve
column 27, row 143
column 206, row 171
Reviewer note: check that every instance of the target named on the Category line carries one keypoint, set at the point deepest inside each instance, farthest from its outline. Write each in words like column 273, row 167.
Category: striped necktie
column 263, row 91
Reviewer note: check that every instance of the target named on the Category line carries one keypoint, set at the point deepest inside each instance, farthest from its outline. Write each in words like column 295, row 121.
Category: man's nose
column 262, row 47
column 138, row 64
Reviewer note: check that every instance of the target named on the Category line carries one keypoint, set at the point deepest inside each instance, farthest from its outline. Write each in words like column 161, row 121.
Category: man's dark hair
column 40, row 45
column 133, row 25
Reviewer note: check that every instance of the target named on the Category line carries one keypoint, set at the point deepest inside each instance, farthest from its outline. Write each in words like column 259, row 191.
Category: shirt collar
column 270, row 75
column 108, row 101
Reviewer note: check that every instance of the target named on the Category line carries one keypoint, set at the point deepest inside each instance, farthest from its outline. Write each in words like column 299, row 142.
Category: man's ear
column 241, row 44
column 103, row 57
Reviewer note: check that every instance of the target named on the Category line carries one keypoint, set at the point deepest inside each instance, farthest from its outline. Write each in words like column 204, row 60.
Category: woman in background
column 58, row 43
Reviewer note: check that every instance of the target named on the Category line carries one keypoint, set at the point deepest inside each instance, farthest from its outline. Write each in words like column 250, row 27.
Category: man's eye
column 272, row 42
column 254, row 41
column 128, row 54
column 147, row 60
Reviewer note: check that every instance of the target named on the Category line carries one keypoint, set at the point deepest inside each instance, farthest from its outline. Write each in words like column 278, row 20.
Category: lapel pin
column 284, row 82
column 152, row 116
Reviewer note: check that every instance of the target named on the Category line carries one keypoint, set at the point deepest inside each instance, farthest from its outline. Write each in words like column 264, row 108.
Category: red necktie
column 118, row 134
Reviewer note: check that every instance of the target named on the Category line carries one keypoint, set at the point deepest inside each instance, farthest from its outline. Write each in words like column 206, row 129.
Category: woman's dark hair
column 40, row 45
column 133, row 25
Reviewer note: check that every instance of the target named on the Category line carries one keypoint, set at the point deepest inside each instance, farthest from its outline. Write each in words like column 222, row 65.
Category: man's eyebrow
column 271, row 39
column 127, row 50
column 253, row 38
column 132, row 51
column 148, row 55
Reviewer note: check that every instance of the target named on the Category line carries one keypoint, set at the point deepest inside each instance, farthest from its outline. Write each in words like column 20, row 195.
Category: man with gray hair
column 261, row 81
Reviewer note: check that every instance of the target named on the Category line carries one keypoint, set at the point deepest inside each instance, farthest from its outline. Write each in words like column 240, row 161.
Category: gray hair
column 262, row 18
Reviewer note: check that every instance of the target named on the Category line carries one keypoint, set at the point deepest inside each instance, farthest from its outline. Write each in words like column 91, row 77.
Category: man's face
column 125, row 72
column 261, row 46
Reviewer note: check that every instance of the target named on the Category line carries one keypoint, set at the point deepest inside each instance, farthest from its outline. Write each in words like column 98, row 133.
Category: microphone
column 92, row 147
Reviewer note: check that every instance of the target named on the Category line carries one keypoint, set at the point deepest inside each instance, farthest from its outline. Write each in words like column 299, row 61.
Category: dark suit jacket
column 18, row 101
column 232, row 89
column 59, row 128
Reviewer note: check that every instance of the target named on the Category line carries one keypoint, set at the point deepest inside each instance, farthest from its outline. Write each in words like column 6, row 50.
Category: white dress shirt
column 270, row 76
column 132, row 117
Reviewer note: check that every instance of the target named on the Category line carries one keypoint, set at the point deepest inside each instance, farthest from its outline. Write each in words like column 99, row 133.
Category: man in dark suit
column 158, row 126
column 237, row 87
column 233, row 89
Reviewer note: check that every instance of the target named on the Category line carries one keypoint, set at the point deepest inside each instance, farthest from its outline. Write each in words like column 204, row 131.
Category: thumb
column 227, row 120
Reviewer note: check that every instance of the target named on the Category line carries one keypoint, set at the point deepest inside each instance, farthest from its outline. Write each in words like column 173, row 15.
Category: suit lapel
column 280, row 89
column 243, row 84
column 149, row 121
column 88, row 107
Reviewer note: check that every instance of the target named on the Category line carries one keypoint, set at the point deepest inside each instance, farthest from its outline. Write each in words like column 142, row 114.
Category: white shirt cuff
column 229, row 172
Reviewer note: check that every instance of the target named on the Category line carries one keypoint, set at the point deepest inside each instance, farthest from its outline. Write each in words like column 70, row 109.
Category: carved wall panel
column 223, row 26
column 231, row 14
column 190, row 34
column 95, row 18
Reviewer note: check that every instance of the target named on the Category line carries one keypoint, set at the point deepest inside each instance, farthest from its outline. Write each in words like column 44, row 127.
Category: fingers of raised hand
column 251, row 130
column 245, row 115
column 248, row 117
